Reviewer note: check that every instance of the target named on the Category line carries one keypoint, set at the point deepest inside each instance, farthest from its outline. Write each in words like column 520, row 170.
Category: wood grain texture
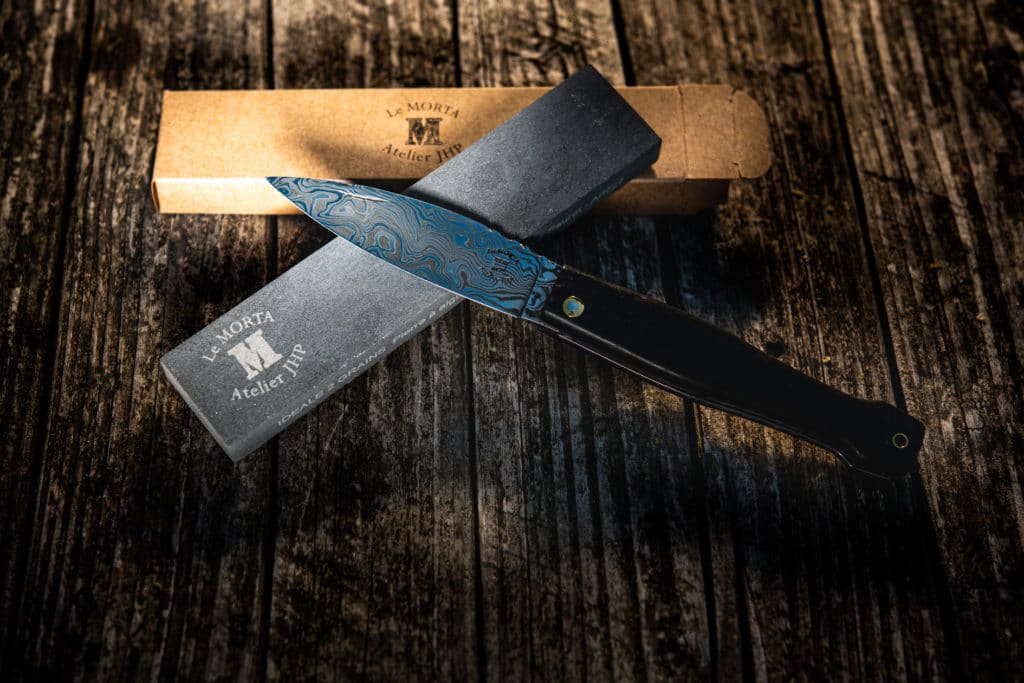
column 145, row 560
column 486, row 502
column 535, row 43
column 375, row 559
column 932, row 98
column 816, row 572
column 590, row 548
column 40, row 64
column 590, row 556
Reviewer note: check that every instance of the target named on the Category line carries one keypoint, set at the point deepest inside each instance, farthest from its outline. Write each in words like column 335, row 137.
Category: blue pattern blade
column 430, row 242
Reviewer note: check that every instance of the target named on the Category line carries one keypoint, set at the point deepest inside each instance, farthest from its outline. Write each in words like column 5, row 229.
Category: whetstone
column 278, row 354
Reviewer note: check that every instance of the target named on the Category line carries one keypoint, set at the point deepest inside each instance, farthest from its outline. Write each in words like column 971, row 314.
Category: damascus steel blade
column 437, row 245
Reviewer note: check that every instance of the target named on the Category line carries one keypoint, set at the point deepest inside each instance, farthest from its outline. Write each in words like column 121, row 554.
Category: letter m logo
column 421, row 133
column 254, row 354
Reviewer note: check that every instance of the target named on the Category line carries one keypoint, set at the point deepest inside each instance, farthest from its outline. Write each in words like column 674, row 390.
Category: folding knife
column 660, row 344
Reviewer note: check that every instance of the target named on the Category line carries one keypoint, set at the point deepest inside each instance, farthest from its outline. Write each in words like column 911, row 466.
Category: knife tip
column 281, row 182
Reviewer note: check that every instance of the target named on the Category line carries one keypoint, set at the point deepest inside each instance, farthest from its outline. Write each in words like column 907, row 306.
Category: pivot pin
column 572, row 307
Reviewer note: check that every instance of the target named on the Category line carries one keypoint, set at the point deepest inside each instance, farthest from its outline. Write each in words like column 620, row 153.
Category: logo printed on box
column 422, row 129
column 418, row 130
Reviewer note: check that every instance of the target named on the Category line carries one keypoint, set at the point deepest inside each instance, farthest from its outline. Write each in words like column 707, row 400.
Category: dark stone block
column 282, row 351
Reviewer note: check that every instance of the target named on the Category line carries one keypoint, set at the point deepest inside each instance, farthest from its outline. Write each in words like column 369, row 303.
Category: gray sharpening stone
column 311, row 331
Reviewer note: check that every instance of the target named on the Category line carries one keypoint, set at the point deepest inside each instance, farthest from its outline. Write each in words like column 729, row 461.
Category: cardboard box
column 216, row 147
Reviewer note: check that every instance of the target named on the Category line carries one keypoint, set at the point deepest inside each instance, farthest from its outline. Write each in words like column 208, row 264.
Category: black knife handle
column 697, row 360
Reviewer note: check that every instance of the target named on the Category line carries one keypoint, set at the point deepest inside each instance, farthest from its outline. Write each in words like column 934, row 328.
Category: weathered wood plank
column 535, row 43
column 816, row 573
column 589, row 544
column 932, row 95
column 143, row 555
column 145, row 561
column 40, row 62
column 375, row 559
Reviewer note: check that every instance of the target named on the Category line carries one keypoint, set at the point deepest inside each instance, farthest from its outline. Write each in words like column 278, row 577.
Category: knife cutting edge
column 660, row 344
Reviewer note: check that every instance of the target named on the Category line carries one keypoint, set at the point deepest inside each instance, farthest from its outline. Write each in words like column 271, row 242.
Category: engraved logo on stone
column 254, row 354
column 242, row 339
column 421, row 133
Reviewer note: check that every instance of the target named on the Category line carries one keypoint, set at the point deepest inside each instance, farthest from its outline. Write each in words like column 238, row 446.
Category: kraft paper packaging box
column 216, row 147
column 278, row 354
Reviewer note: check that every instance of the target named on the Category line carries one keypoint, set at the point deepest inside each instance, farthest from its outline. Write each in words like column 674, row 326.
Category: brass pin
column 572, row 307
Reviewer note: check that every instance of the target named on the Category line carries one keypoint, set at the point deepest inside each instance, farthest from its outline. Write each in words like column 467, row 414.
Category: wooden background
column 487, row 503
